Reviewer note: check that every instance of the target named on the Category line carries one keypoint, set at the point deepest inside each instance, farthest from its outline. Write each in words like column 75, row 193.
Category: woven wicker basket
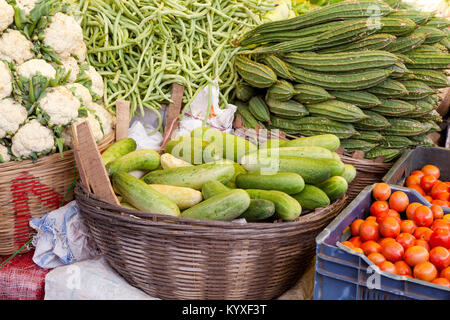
column 29, row 190
column 177, row 258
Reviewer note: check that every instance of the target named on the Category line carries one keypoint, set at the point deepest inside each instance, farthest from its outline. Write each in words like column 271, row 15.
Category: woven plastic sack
column 22, row 279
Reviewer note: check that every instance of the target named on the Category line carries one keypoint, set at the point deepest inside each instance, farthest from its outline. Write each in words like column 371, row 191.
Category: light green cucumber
column 118, row 149
column 213, row 188
column 287, row 182
column 143, row 159
column 327, row 141
column 142, row 196
column 349, row 173
column 336, row 166
column 259, row 209
column 312, row 198
column 272, row 143
column 312, row 152
column 193, row 150
column 286, row 207
column 223, row 207
column 335, row 187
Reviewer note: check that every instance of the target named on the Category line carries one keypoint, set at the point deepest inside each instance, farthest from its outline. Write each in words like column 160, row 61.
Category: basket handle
column 123, row 119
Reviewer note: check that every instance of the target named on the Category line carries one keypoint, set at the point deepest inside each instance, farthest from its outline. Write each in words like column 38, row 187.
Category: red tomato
column 418, row 189
column 439, row 188
column 430, row 169
column 445, row 273
column 381, row 192
column 383, row 241
column 440, row 238
column 416, row 255
column 442, row 282
column 411, row 209
column 428, row 198
column 425, row 271
column 402, row 268
column 387, row 266
column 407, row 226
column 348, row 244
column 378, row 208
column 370, row 247
column 423, row 216
column 427, row 182
column 412, row 180
column 376, row 258
column 371, row 218
column 440, row 257
column 399, row 201
column 356, row 241
column 392, row 251
column 440, row 203
column 418, row 173
column 423, row 233
column 438, row 213
column 358, row 250
column 389, row 227
column 422, row 243
column 440, row 223
column 369, row 230
column 443, row 196
column 354, row 227
column 407, row 240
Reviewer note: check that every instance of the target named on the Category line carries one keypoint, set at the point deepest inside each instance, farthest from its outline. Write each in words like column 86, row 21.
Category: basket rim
column 149, row 219
column 7, row 166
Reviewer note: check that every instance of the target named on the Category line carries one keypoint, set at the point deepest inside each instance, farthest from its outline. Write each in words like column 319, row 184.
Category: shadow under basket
column 177, row 258
column 29, row 190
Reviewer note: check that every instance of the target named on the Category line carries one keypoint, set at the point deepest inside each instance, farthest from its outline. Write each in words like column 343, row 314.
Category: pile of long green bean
column 142, row 47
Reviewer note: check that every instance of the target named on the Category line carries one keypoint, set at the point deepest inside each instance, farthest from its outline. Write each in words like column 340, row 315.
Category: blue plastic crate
column 343, row 274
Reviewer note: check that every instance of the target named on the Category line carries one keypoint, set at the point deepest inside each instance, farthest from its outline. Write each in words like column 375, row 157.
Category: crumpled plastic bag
column 62, row 238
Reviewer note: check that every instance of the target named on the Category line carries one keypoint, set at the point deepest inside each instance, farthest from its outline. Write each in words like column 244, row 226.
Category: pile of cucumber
column 370, row 79
column 213, row 175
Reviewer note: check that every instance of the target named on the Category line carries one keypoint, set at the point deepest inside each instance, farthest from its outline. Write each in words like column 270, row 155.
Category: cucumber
column 238, row 169
column 336, row 166
column 183, row 197
column 233, row 147
column 312, row 198
column 143, row 197
column 311, row 170
column 118, row 149
column 126, row 205
column 335, row 187
column 286, row 182
column 302, row 152
column 286, row 207
column 349, row 173
column 169, row 161
column 191, row 177
column 275, row 143
column 259, row 209
column 327, row 141
column 223, row 207
column 193, row 150
column 143, row 159
column 213, row 188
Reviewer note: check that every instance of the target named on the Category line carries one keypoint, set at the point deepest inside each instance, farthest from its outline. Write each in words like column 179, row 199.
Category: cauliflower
column 80, row 52
column 4, row 155
column 15, row 47
column 12, row 115
column 80, row 92
column 94, row 124
column 32, row 137
column 5, row 80
column 64, row 35
column 61, row 105
column 70, row 64
column 97, row 81
column 33, row 66
column 6, row 15
column 26, row 5
column 106, row 119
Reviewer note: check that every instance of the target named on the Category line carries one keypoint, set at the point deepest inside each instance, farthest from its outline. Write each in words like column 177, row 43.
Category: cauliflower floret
column 81, row 92
column 32, row 137
column 33, row 66
column 64, row 35
column 5, row 80
column 97, row 81
column 80, row 52
column 26, row 5
column 61, row 105
column 70, row 64
column 94, row 124
column 15, row 47
column 4, row 156
column 6, row 15
column 106, row 119
column 12, row 115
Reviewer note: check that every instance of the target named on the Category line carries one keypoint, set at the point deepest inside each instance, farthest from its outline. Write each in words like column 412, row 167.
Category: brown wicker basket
column 177, row 258
column 29, row 190
column 368, row 172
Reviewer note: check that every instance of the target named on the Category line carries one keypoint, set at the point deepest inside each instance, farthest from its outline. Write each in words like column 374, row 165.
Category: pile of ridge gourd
column 371, row 81
column 199, row 176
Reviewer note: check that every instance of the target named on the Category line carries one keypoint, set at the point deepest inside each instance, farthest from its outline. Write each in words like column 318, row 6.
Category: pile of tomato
column 426, row 182
column 408, row 239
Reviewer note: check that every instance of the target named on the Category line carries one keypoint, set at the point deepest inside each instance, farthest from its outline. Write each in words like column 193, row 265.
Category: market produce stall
column 207, row 144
